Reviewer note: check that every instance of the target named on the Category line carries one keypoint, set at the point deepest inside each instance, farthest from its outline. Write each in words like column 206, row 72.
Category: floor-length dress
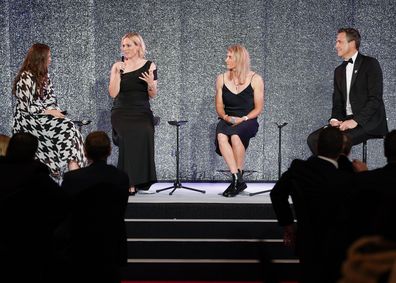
column 133, row 128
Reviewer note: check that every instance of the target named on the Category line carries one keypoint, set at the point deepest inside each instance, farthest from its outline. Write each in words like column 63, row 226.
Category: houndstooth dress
column 59, row 140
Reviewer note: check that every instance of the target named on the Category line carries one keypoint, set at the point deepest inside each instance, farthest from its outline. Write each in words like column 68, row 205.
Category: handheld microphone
column 122, row 60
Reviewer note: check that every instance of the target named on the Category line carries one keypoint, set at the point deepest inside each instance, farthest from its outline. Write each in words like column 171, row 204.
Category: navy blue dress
column 238, row 105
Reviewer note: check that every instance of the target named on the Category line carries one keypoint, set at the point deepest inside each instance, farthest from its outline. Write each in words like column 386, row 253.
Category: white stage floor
column 212, row 194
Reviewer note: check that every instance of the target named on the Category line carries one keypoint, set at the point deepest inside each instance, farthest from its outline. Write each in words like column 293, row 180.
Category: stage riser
column 211, row 272
column 207, row 230
column 199, row 211
column 204, row 250
column 206, row 241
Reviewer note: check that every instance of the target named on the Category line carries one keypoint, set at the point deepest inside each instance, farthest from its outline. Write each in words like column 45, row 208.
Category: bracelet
column 245, row 118
column 232, row 120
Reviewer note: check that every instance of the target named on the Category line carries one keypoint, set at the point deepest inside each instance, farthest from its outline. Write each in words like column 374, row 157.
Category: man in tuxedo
column 99, row 195
column 318, row 190
column 358, row 108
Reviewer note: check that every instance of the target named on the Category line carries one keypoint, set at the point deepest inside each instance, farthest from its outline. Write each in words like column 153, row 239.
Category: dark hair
column 390, row 146
column 351, row 34
column 22, row 147
column 36, row 62
column 330, row 142
column 347, row 144
column 97, row 146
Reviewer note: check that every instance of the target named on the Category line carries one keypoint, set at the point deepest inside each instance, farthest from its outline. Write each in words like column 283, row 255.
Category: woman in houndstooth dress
column 37, row 112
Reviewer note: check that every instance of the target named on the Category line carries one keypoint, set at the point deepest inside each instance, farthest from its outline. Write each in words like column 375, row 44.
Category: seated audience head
column 390, row 146
column 4, row 140
column 347, row 144
column 97, row 146
column 330, row 142
column 22, row 147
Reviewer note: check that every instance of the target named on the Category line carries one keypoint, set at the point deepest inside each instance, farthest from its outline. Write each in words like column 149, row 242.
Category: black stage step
column 206, row 241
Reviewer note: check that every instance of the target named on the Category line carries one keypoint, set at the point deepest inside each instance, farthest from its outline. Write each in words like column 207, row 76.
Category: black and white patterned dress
column 59, row 140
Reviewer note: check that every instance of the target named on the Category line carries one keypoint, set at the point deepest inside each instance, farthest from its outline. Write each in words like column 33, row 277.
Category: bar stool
column 364, row 146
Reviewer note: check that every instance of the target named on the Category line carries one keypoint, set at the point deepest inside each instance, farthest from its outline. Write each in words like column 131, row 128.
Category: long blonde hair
column 136, row 37
column 242, row 62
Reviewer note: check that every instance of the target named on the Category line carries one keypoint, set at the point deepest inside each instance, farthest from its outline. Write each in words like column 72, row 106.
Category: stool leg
column 364, row 153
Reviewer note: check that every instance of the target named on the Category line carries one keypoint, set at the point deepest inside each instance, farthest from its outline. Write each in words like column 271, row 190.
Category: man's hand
column 335, row 123
column 348, row 125
column 359, row 166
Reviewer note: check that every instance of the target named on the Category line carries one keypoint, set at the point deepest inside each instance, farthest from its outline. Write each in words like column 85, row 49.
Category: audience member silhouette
column 375, row 188
column 372, row 257
column 316, row 187
column 99, row 195
column 31, row 207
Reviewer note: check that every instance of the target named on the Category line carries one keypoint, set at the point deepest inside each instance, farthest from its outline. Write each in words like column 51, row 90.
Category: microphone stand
column 280, row 126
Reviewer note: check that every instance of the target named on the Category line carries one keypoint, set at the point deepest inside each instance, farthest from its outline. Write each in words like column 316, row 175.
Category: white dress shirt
column 349, row 73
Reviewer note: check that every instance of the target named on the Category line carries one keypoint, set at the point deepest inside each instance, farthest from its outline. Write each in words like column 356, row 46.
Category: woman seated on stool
column 239, row 100
column 37, row 112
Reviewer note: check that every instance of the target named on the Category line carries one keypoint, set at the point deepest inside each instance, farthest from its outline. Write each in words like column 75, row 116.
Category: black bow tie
column 346, row 62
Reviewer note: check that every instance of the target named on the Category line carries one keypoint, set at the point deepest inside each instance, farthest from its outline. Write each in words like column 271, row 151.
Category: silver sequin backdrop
column 291, row 44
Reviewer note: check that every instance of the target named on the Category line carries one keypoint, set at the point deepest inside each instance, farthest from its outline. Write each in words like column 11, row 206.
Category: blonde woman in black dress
column 239, row 101
column 133, row 82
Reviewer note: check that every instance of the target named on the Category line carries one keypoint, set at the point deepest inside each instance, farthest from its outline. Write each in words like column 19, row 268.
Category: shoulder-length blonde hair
column 242, row 61
column 138, row 39
column 36, row 62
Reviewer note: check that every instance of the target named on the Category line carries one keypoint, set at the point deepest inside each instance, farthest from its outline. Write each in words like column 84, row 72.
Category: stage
column 255, row 193
column 191, row 235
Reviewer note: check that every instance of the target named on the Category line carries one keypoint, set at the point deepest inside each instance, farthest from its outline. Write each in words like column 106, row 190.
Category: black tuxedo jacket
column 365, row 95
column 76, row 181
column 318, row 191
column 316, row 175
